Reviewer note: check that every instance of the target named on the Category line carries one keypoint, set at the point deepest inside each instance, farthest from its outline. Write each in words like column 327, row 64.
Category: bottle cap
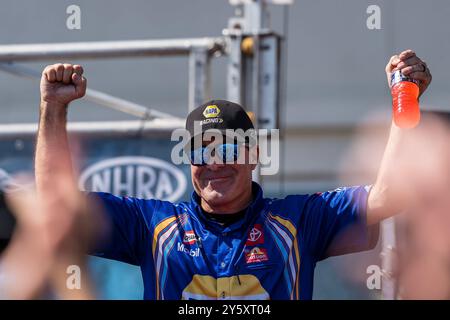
column 398, row 76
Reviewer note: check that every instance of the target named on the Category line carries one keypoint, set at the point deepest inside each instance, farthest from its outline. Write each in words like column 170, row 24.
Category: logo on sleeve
column 255, row 236
column 256, row 255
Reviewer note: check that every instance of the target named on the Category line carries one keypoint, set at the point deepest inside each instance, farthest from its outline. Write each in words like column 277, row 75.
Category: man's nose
column 217, row 164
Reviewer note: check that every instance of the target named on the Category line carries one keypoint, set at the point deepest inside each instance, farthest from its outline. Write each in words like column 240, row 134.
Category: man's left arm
column 384, row 199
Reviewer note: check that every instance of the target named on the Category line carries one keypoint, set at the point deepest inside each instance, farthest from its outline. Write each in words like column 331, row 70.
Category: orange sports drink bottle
column 405, row 104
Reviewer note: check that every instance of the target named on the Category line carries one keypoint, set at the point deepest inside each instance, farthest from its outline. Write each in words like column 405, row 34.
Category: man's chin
column 216, row 194
column 220, row 185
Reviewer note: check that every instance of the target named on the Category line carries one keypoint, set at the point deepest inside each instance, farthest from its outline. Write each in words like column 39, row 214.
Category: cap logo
column 211, row 111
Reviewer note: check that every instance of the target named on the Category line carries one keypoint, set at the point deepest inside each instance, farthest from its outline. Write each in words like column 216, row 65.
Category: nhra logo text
column 140, row 177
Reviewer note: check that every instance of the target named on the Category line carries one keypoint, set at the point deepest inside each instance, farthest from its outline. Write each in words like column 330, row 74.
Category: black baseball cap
column 224, row 116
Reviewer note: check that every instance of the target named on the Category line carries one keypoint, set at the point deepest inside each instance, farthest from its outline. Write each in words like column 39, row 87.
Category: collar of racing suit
column 251, row 212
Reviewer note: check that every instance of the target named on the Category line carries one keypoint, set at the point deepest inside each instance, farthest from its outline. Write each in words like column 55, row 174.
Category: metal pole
column 388, row 286
column 199, row 77
column 107, row 49
column 101, row 128
column 255, row 96
column 234, row 76
column 92, row 95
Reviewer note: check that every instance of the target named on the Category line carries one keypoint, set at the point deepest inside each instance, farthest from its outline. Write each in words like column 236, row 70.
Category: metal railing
column 109, row 49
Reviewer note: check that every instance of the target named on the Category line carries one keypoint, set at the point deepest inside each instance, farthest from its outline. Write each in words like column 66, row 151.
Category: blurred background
column 336, row 83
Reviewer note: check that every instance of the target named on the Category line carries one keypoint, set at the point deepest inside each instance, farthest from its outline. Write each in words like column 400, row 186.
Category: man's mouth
column 218, row 179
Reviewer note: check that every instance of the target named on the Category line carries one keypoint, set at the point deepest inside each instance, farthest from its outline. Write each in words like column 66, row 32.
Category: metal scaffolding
column 253, row 71
column 199, row 51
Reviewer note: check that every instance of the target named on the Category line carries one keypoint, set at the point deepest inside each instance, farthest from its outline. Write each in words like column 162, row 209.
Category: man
column 228, row 242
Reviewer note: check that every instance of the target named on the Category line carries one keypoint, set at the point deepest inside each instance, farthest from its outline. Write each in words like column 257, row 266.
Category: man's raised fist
column 62, row 83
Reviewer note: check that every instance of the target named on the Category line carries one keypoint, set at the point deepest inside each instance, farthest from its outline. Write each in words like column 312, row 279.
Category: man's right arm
column 125, row 226
column 60, row 84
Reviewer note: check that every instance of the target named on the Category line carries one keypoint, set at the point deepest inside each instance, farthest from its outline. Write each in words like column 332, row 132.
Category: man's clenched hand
column 411, row 66
column 62, row 83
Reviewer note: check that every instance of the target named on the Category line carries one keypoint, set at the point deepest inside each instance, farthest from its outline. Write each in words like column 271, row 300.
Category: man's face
column 219, row 184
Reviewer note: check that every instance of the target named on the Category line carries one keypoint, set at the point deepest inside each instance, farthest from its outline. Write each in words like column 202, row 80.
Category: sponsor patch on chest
column 256, row 255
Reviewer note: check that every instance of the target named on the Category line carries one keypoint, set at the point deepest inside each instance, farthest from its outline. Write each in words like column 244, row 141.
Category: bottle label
column 398, row 76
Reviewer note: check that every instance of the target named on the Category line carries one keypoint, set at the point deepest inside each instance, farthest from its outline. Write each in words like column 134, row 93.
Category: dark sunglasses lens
column 228, row 152
column 197, row 158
